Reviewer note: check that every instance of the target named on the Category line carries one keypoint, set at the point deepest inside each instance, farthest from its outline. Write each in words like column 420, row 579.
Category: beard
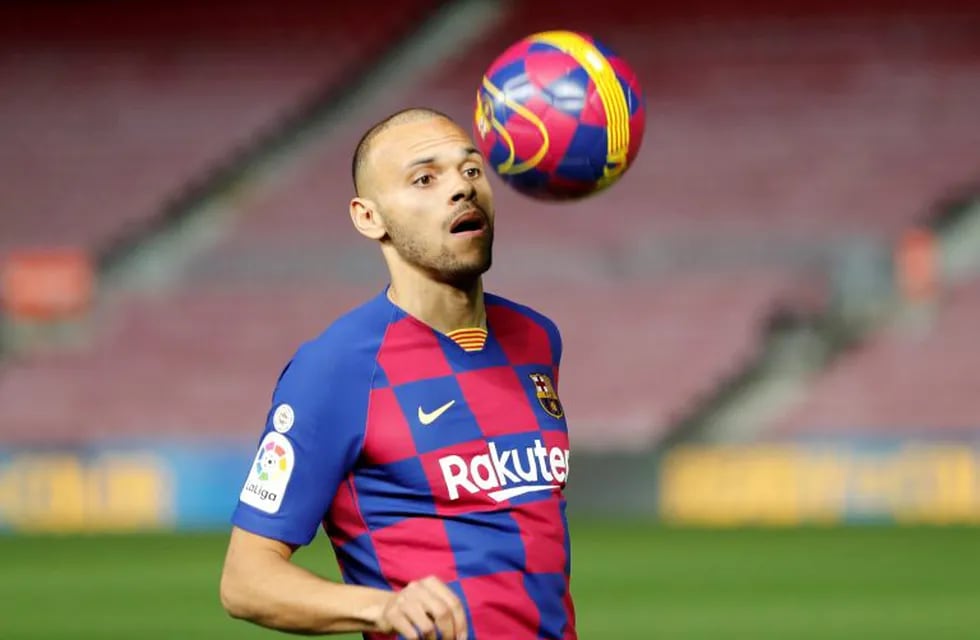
column 441, row 262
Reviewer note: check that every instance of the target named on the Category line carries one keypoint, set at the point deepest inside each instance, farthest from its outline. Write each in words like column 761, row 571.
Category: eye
column 472, row 172
column 423, row 180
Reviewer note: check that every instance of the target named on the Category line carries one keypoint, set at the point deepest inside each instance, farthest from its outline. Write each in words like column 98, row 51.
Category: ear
column 364, row 214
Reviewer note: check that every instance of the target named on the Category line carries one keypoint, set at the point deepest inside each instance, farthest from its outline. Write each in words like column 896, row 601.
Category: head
column 421, row 190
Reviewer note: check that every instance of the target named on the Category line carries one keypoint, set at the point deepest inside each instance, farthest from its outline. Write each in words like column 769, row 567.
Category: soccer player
column 422, row 429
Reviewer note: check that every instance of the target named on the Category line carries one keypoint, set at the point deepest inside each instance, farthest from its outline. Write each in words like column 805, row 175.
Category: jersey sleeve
column 556, row 345
column 554, row 336
column 313, row 435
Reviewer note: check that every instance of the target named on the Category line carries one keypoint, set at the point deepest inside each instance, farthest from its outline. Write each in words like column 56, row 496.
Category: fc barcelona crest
column 547, row 395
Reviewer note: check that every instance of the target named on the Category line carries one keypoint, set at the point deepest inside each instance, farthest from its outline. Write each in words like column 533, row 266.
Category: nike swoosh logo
column 429, row 418
column 513, row 492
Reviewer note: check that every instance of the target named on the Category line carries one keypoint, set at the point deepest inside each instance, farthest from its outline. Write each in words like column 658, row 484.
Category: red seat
column 764, row 134
column 110, row 110
column 916, row 378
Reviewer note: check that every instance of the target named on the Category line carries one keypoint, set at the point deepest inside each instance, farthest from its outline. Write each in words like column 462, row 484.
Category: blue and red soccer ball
column 559, row 116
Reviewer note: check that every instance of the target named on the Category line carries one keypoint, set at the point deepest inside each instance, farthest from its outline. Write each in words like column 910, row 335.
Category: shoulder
column 346, row 348
column 530, row 314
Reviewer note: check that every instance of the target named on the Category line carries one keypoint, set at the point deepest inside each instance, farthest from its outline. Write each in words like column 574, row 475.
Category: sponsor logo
column 270, row 473
column 507, row 473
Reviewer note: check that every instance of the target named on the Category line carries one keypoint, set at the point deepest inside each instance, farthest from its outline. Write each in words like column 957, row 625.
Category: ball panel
column 567, row 94
column 517, row 52
column 563, row 189
column 607, row 52
column 561, row 129
column 529, row 139
column 511, row 79
column 534, row 183
column 586, row 154
column 498, row 154
column 544, row 69
column 535, row 46
column 594, row 112
column 630, row 84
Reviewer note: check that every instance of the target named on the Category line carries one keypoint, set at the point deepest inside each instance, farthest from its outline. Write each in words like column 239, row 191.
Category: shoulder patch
column 270, row 473
column 283, row 418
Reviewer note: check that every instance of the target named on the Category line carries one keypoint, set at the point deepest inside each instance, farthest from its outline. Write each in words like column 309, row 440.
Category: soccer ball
column 559, row 116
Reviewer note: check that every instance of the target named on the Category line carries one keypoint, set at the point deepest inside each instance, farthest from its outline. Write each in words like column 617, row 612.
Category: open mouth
column 468, row 222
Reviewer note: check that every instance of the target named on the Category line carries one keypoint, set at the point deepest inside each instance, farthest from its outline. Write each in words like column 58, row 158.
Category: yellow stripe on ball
column 610, row 94
column 508, row 167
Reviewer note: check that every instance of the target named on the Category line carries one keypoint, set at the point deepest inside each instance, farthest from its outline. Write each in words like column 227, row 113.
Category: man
column 422, row 429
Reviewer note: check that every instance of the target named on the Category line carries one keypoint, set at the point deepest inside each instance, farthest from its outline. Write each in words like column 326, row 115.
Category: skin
column 421, row 176
column 409, row 205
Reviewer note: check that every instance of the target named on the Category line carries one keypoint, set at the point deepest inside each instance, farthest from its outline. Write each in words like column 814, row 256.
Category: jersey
column 419, row 457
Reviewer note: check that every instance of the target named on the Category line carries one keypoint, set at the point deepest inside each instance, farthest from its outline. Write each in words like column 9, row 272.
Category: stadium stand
column 768, row 134
column 772, row 124
column 110, row 109
column 771, row 131
column 795, row 129
column 204, row 361
column 189, row 364
column 914, row 378
column 640, row 355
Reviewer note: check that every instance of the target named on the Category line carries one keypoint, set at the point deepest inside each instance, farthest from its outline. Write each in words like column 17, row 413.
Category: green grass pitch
column 630, row 580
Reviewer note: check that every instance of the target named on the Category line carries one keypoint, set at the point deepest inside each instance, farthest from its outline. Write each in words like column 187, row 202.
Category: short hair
column 410, row 114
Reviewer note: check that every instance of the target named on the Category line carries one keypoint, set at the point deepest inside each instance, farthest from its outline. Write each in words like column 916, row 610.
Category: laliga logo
column 271, row 461
column 506, row 472
column 270, row 473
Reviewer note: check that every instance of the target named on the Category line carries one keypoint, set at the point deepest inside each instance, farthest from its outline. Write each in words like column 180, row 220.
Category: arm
column 315, row 441
column 259, row 583
column 312, row 439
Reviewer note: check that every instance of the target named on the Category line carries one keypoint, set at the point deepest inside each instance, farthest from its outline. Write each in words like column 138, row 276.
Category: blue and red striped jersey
column 421, row 457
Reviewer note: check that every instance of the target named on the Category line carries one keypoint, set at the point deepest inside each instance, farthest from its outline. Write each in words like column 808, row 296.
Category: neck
column 442, row 306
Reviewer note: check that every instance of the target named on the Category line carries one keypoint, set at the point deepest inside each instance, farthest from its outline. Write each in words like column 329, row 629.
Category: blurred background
column 771, row 369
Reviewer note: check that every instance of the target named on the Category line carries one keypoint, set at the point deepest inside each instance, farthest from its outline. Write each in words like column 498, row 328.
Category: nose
column 464, row 191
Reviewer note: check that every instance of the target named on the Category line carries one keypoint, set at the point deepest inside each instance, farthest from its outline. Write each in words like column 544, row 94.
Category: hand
column 425, row 609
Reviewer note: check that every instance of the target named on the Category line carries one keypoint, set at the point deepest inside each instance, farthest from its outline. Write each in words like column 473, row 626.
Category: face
column 427, row 183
